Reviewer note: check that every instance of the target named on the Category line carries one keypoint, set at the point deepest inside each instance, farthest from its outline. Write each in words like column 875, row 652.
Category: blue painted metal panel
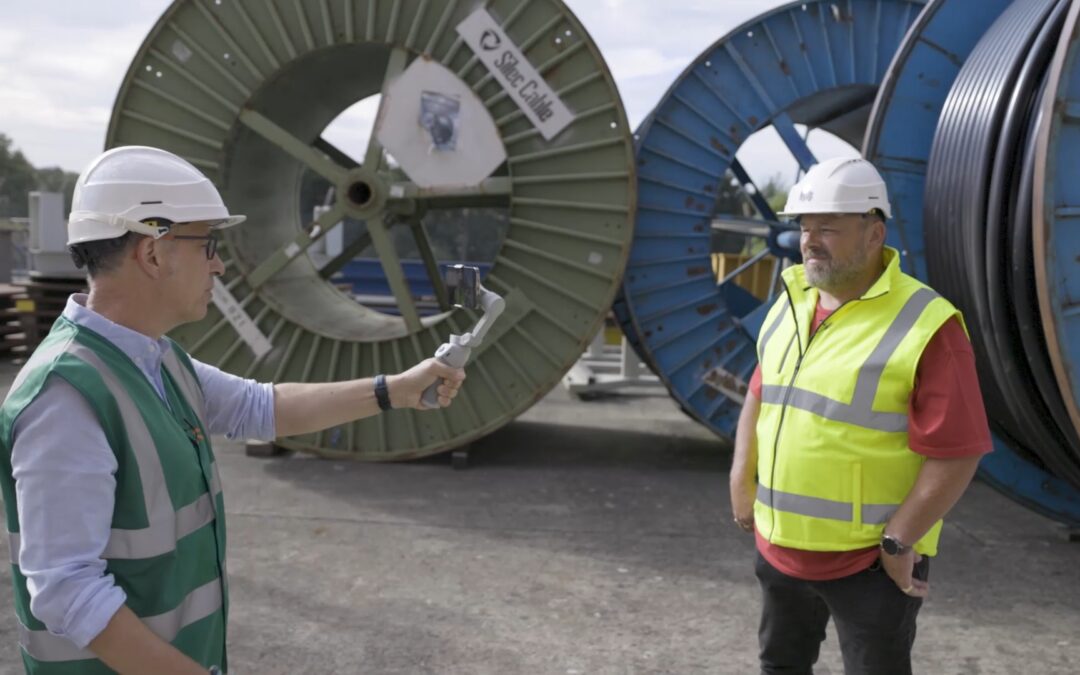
column 906, row 113
column 1056, row 219
column 825, row 51
column 1029, row 485
column 1060, row 217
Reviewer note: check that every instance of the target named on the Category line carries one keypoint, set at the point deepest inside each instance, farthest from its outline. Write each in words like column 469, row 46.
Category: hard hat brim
column 231, row 221
column 834, row 208
column 111, row 226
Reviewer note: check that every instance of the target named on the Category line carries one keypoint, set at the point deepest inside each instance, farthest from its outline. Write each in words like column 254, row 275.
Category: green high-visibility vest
column 832, row 435
column 167, row 545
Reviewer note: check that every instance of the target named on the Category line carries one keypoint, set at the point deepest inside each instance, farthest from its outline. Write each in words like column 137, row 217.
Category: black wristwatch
column 382, row 392
column 890, row 545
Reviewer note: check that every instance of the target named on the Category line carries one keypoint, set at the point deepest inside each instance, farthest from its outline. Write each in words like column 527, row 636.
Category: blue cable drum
column 906, row 112
column 813, row 63
column 1055, row 224
column 923, row 106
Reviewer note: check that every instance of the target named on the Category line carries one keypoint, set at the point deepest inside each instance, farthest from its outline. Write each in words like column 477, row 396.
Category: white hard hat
column 840, row 185
column 126, row 185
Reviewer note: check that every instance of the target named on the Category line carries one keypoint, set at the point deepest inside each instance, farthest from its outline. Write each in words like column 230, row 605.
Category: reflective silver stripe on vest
column 189, row 386
column 860, row 411
column 166, row 525
column 806, row 506
column 870, row 374
column 772, row 327
column 146, row 543
column 816, row 507
column 215, row 481
column 199, row 604
column 193, row 394
column 878, row 514
column 44, row 646
column 39, row 358
column 859, row 414
column 156, row 539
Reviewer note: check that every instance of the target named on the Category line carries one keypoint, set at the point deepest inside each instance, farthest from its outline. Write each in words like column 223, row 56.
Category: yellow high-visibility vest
column 833, row 456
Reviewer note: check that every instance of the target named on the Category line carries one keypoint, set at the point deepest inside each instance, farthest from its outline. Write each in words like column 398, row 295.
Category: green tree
column 775, row 192
column 55, row 179
column 17, row 179
column 731, row 199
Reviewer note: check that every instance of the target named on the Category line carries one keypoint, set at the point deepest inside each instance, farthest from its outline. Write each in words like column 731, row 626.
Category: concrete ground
column 584, row 538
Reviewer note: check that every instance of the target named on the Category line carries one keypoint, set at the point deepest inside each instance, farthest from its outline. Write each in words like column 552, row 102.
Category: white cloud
column 633, row 62
column 62, row 62
column 351, row 130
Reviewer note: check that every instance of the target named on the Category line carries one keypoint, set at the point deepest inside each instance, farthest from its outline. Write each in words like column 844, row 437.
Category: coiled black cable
column 977, row 222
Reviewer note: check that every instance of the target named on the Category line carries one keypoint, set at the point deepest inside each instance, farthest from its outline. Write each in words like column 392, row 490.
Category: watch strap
column 382, row 392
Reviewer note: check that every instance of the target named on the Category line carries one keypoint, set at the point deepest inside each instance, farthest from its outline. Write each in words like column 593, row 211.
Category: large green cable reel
column 244, row 91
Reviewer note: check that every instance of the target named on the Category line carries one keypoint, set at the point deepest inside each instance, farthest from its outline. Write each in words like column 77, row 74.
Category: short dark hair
column 102, row 255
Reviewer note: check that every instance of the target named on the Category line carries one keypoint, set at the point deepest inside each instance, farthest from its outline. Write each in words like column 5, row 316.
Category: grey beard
column 832, row 277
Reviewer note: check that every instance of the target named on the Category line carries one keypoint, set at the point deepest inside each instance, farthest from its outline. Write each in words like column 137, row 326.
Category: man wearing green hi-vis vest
column 862, row 427
column 115, row 515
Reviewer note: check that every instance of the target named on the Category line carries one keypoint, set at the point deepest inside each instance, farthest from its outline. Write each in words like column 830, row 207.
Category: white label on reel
column 235, row 315
column 518, row 77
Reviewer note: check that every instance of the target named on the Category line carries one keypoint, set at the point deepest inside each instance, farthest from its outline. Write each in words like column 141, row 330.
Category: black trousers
column 874, row 620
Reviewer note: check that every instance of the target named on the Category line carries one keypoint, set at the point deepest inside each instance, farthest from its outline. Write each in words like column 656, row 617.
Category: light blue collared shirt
column 64, row 478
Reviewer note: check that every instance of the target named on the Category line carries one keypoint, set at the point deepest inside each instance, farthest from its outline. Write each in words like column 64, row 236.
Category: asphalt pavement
column 585, row 537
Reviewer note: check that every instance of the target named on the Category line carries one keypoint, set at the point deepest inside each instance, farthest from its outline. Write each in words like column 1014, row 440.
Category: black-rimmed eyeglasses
column 210, row 239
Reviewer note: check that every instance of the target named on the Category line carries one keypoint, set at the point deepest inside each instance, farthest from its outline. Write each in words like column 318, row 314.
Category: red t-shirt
column 944, row 422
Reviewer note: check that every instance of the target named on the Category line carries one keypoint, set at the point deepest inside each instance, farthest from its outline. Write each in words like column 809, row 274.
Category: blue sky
column 62, row 61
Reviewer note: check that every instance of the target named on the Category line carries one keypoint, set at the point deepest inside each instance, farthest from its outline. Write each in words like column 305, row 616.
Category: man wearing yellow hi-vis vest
column 862, row 428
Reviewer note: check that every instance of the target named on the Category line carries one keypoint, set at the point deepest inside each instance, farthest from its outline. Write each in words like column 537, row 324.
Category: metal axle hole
column 360, row 193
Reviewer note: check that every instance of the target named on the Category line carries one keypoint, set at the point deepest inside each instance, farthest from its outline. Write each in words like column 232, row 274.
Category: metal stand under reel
column 604, row 369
